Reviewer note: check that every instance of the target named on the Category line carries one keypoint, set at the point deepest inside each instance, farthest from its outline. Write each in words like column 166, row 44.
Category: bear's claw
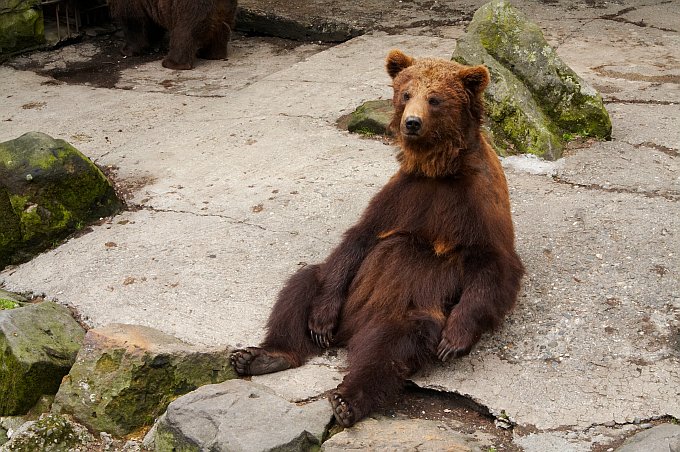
column 445, row 351
column 343, row 413
column 321, row 340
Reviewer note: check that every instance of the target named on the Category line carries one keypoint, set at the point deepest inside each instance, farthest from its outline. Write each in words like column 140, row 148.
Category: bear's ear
column 397, row 61
column 475, row 78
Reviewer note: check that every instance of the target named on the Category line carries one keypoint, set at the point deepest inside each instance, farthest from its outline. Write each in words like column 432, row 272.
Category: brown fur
column 429, row 267
column 195, row 26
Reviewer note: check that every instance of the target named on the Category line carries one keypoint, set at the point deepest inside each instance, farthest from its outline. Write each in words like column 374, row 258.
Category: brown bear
column 429, row 267
column 195, row 26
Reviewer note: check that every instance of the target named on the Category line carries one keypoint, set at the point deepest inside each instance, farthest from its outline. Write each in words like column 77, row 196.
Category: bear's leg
column 287, row 343
column 216, row 44
column 183, row 46
column 490, row 292
column 136, row 32
column 381, row 358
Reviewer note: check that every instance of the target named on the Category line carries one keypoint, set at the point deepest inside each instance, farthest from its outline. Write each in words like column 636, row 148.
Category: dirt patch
column 126, row 188
column 101, row 69
column 97, row 62
column 457, row 412
column 34, row 105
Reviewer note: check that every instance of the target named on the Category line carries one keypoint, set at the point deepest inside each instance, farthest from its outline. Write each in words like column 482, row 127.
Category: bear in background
column 200, row 27
column 430, row 266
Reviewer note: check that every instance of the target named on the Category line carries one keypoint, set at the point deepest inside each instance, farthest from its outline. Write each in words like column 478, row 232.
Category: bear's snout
column 412, row 125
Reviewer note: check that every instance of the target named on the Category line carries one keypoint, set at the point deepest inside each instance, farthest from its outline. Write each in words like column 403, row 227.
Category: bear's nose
column 413, row 124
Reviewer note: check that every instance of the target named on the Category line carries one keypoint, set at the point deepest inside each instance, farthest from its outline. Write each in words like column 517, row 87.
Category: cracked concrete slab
column 237, row 175
column 598, row 313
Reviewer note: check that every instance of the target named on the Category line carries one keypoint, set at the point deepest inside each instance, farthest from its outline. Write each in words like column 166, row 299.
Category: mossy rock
column 515, row 121
column 125, row 376
column 8, row 6
column 38, row 345
column 371, row 118
column 48, row 189
column 535, row 99
column 21, row 25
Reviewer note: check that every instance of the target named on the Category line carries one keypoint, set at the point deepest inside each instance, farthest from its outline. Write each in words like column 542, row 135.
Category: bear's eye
column 434, row 101
column 406, row 96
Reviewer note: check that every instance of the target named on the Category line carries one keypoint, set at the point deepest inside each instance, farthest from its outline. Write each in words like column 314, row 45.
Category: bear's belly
column 402, row 278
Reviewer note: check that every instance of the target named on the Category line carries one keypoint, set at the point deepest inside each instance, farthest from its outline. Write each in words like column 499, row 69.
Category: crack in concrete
column 286, row 115
column 671, row 152
column 669, row 195
column 635, row 77
column 617, row 17
column 637, row 421
column 135, row 207
column 616, row 100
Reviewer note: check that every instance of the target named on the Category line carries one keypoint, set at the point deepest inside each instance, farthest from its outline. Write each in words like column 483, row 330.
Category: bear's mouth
column 410, row 134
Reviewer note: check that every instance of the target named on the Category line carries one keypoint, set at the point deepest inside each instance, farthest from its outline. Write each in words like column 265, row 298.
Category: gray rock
column 9, row 425
column 535, row 101
column 38, row 345
column 126, row 375
column 238, row 415
column 550, row 441
column 662, row 438
column 399, row 434
column 48, row 189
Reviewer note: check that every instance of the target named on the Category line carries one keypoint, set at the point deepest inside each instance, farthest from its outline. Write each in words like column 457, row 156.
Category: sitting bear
column 429, row 267
column 195, row 26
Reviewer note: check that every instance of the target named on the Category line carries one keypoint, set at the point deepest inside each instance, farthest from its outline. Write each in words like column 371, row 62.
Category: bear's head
column 438, row 104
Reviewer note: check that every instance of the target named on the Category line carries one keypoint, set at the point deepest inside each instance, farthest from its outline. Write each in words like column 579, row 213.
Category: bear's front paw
column 130, row 50
column 321, row 326
column 447, row 350
column 176, row 65
column 320, row 339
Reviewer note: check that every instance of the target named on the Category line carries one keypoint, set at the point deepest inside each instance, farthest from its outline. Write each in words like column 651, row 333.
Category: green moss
column 20, row 384
column 371, row 118
column 16, row 5
column 10, row 228
column 166, row 441
column 8, row 304
column 109, row 362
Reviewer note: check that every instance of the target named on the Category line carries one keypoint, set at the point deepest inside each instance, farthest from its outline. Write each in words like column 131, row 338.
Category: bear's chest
column 431, row 213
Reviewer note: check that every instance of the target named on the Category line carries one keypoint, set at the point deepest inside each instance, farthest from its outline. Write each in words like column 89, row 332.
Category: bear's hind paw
column 257, row 361
column 344, row 415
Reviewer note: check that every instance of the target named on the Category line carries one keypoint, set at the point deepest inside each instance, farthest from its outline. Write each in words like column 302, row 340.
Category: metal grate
column 71, row 15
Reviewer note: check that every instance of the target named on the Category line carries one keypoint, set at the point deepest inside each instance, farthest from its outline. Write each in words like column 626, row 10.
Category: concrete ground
column 236, row 175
